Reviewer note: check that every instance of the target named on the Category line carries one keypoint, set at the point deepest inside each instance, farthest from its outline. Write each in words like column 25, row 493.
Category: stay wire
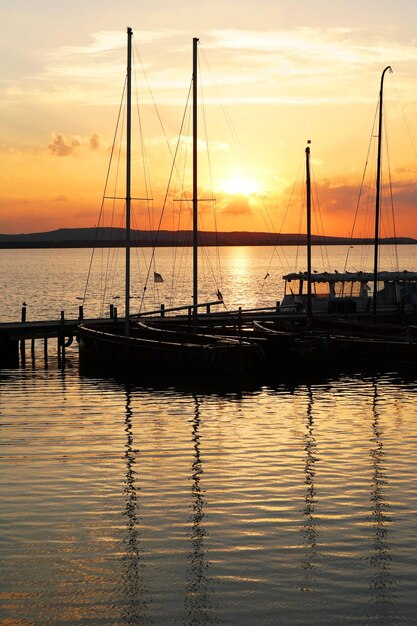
column 361, row 188
column 165, row 198
column 104, row 191
column 212, row 199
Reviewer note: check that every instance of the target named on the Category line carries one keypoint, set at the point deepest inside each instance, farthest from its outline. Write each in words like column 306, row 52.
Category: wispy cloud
column 277, row 66
column 62, row 145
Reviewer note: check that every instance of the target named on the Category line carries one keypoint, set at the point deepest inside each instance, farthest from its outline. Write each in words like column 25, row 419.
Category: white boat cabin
column 350, row 292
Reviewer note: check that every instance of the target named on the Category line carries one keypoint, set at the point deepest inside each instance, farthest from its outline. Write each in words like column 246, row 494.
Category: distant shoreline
column 114, row 238
column 21, row 245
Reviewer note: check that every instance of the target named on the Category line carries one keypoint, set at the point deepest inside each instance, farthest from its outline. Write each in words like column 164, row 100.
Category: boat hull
column 107, row 350
column 381, row 352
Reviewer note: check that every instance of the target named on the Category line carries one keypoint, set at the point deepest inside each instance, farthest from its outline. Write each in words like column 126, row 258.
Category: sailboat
column 323, row 298
column 130, row 346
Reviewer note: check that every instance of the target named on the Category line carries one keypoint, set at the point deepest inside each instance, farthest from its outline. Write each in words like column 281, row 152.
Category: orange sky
column 273, row 76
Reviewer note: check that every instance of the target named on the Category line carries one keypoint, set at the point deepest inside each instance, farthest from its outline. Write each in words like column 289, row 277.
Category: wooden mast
column 128, row 173
column 378, row 191
column 308, row 199
column 195, row 181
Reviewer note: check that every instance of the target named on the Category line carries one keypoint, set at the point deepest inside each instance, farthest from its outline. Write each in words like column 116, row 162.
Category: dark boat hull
column 382, row 352
column 107, row 350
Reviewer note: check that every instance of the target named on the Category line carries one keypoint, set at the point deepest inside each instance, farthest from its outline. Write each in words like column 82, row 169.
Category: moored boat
column 348, row 293
column 127, row 345
column 379, row 296
column 143, row 352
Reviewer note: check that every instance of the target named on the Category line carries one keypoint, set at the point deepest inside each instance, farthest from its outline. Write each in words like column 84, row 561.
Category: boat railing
column 189, row 309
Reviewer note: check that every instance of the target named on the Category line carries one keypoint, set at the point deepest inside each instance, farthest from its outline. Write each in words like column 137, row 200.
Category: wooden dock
column 15, row 335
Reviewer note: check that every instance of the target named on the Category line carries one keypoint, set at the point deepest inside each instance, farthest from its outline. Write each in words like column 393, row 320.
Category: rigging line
column 183, row 143
column 153, row 100
column 146, row 175
column 264, row 209
column 115, row 253
column 301, row 215
column 104, row 192
column 319, row 220
column 138, row 265
column 361, row 185
column 147, row 181
column 288, row 207
column 391, row 198
column 210, row 176
column 369, row 217
column 284, row 262
column 166, row 194
column 406, row 123
column 204, row 250
column 181, row 180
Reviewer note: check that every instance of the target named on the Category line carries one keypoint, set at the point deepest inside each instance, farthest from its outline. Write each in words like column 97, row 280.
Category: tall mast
column 308, row 197
column 195, row 180
column 128, row 171
column 378, row 191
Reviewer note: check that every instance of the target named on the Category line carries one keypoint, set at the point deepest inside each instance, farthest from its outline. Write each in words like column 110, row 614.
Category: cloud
column 87, row 213
column 252, row 66
column 62, row 145
column 239, row 205
column 96, row 141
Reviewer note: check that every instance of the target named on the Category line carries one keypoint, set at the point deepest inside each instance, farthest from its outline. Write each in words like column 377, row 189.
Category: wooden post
column 45, row 350
column 239, row 318
column 61, row 350
column 62, row 316
column 32, row 349
column 23, row 318
column 162, row 310
column 208, row 309
column 23, row 352
column 115, row 313
column 80, row 312
column 111, row 311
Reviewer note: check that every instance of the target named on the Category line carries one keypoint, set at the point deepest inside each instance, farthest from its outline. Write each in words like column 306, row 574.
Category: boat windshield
column 349, row 289
column 292, row 287
column 322, row 290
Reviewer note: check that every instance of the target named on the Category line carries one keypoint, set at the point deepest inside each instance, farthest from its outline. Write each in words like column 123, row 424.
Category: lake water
column 291, row 502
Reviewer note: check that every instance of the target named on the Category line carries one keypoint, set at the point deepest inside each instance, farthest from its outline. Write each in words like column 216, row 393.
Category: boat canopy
column 336, row 277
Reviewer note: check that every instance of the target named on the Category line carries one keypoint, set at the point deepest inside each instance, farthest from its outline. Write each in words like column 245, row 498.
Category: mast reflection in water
column 198, row 601
column 309, row 527
column 134, row 582
column 381, row 582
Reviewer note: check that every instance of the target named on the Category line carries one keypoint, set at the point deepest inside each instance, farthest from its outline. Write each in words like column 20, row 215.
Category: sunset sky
column 275, row 73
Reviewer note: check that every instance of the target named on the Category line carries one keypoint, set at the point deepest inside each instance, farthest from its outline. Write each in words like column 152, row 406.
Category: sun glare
column 239, row 186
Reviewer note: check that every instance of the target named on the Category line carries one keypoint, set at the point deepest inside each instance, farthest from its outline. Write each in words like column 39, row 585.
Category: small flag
column 219, row 295
column 157, row 278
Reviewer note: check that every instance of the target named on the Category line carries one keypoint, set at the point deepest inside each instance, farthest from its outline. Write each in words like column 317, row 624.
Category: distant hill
column 114, row 237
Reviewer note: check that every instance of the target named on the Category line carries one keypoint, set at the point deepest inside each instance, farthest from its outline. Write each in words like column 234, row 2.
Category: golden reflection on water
column 381, row 582
column 309, row 529
column 198, row 597
column 293, row 505
column 135, row 586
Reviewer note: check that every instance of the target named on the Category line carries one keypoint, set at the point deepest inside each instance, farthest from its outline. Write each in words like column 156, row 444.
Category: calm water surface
column 288, row 502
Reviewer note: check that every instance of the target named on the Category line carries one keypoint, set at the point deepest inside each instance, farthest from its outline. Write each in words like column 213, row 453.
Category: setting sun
column 239, row 186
